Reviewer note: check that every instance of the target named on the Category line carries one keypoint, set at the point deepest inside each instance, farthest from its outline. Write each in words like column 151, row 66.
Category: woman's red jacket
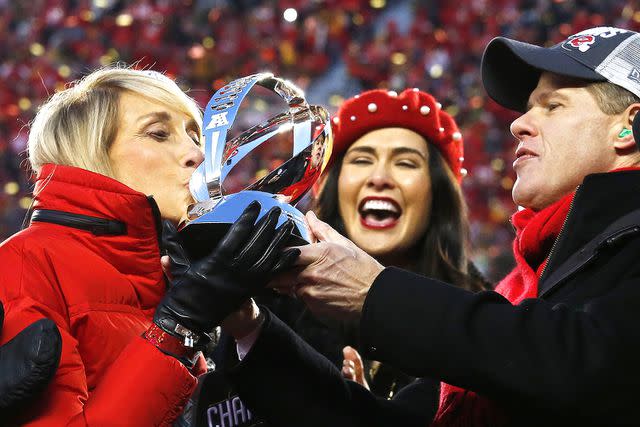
column 101, row 291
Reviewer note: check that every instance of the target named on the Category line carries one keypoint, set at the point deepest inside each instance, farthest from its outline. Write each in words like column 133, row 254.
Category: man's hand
column 333, row 276
column 244, row 321
column 353, row 367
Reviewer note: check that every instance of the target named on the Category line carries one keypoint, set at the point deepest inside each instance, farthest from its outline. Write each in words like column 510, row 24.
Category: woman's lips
column 369, row 221
column 379, row 213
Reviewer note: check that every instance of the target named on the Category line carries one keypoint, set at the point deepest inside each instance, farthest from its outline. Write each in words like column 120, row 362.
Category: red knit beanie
column 412, row 109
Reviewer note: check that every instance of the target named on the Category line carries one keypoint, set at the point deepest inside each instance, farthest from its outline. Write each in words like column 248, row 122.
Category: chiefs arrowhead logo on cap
column 583, row 40
column 582, row 43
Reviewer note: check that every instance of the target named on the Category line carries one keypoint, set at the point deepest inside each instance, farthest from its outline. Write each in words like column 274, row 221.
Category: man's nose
column 523, row 126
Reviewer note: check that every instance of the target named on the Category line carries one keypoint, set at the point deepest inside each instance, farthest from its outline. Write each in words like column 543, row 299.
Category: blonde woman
column 113, row 156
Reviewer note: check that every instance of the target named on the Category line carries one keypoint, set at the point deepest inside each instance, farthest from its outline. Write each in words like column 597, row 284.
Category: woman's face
column 155, row 152
column 384, row 191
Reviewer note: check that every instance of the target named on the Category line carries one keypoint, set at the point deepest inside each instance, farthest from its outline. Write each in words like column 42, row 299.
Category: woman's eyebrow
column 407, row 150
column 158, row 115
column 364, row 149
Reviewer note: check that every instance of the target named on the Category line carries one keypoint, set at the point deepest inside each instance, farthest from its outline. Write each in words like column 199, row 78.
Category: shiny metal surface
column 306, row 128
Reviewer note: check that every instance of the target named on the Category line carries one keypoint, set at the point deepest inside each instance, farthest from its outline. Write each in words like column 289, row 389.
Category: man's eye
column 552, row 106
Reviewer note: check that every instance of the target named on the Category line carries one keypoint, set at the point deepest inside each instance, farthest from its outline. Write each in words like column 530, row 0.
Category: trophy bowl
column 306, row 128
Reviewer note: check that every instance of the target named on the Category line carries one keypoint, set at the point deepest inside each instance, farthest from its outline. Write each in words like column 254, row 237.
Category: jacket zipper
column 95, row 225
column 610, row 241
column 155, row 210
column 560, row 235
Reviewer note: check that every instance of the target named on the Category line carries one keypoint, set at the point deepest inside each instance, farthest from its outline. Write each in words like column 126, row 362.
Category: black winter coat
column 569, row 357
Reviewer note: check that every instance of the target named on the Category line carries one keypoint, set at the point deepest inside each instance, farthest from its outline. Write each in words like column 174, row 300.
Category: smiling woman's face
column 155, row 152
column 384, row 191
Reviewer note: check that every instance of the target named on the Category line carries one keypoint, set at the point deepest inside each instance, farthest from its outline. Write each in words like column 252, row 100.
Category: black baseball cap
column 511, row 69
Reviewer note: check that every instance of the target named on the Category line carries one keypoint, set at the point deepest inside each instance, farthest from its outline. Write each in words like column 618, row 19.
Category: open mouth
column 379, row 213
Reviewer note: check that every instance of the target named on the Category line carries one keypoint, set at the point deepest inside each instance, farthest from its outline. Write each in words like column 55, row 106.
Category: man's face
column 563, row 137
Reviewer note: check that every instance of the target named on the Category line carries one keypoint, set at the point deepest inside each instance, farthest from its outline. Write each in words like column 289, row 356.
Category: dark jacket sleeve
column 287, row 383
column 546, row 355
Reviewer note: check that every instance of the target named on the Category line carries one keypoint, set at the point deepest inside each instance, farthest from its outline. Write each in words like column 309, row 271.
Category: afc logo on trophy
column 218, row 120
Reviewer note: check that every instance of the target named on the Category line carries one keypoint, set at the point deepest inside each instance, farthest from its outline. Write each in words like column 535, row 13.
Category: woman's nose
column 193, row 156
column 380, row 178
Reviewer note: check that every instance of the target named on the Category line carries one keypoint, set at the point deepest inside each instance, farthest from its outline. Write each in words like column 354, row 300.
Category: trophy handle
column 219, row 116
column 214, row 212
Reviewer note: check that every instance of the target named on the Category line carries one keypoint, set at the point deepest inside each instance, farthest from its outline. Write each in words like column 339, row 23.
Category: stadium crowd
column 206, row 43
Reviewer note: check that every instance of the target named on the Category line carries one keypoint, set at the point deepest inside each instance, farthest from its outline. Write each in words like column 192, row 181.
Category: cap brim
column 511, row 69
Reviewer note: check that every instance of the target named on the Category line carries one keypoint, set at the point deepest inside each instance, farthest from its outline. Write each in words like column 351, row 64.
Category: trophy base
column 201, row 235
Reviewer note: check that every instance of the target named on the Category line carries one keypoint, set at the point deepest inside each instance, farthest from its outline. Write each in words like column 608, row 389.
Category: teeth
column 379, row 205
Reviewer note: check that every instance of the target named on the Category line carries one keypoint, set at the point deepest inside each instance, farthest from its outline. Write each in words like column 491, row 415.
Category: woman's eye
column 407, row 164
column 159, row 135
column 360, row 161
column 552, row 106
column 195, row 137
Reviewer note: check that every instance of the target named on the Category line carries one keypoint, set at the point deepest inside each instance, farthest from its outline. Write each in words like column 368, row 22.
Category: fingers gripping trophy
column 214, row 211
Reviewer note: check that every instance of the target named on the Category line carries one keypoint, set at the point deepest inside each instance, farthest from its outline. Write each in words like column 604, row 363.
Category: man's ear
column 635, row 127
column 629, row 134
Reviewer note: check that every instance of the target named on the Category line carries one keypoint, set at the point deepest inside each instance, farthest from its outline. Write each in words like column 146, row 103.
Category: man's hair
column 77, row 126
column 611, row 98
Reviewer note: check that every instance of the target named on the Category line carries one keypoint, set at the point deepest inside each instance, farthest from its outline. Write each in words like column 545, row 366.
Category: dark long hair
column 442, row 252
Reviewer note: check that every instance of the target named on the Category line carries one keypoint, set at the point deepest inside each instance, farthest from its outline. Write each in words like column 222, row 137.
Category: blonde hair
column 611, row 98
column 77, row 126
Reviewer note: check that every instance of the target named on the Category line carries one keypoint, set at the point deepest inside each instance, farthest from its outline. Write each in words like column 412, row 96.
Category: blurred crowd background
column 332, row 49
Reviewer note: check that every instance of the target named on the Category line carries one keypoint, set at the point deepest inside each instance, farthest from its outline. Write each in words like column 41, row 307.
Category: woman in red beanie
column 394, row 190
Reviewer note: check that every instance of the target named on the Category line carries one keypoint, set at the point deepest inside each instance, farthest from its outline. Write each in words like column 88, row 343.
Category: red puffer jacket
column 101, row 290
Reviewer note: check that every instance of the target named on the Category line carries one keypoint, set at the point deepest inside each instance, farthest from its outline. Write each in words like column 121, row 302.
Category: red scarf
column 535, row 234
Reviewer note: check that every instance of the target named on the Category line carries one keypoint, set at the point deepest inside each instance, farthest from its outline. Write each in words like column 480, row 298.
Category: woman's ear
column 630, row 130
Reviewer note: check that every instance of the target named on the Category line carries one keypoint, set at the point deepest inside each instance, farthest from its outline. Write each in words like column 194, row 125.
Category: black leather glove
column 206, row 291
column 27, row 363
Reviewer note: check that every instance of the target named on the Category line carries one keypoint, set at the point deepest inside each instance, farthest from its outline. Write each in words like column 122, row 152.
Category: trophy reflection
column 305, row 128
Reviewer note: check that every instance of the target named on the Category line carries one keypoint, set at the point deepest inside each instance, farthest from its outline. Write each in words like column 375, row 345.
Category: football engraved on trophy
column 304, row 128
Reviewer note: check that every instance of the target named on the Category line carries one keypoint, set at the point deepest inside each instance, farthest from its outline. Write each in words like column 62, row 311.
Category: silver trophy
column 310, row 130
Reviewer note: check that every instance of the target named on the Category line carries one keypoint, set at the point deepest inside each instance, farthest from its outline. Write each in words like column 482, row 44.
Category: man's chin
column 533, row 203
column 522, row 196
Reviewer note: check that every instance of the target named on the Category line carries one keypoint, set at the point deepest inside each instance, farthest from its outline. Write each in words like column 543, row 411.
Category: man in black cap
column 558, row 342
